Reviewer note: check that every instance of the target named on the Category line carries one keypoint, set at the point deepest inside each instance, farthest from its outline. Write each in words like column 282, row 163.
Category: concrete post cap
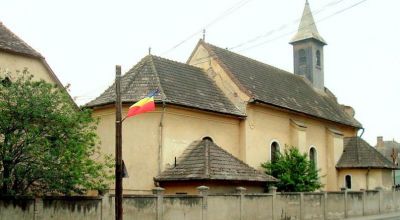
column 158, row 190
column 240, row 189
column 203, row 188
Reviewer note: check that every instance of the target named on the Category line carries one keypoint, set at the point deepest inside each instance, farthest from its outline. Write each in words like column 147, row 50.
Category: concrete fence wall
column 239, row 206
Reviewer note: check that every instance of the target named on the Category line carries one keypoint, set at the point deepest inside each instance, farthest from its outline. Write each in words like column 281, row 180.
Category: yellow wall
column 364, row 179
column 216, row 187
column 12, row 63
column 266, row 124
column 142, row 138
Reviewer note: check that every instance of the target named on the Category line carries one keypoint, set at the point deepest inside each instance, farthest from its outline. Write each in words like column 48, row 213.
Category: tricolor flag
column 144, row 105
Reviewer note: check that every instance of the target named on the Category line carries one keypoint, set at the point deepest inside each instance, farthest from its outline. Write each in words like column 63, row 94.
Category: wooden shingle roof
column 204, row 160
column 276, row 87
column 358, row 153
column 179, row 84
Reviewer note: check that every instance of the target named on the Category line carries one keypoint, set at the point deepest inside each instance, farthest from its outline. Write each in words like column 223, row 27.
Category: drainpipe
column 367, row 178
column 160, row 139
column 363, row 129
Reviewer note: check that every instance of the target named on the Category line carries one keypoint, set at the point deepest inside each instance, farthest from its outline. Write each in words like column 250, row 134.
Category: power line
column 320, row 20
column 285, row 34
column 227, row 12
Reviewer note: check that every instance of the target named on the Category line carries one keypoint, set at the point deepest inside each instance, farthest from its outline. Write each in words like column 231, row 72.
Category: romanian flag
column 142, row 106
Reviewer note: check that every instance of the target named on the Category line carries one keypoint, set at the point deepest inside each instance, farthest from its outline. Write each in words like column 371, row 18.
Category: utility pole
column 118, row 146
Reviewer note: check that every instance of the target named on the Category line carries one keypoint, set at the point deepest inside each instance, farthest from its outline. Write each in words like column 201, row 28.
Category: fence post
column 241, row 191
column 159, row 192
column 325, row 205
column 380, row 200
column 301, row 206
column 38, row 208
column 203, row 191
column 364, row 195
column 345, row 201
column 272, row 190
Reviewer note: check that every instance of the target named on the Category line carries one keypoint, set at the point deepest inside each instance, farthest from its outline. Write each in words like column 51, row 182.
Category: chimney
column 379, row 142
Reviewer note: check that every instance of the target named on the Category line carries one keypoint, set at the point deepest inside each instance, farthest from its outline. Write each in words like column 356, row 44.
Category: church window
column 207, row 138
column 302, row 57
column 347, row 180
column 274, row 151
column 318, row 56
column 313, row 156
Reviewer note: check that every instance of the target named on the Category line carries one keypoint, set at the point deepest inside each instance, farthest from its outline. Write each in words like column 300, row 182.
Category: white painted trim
column 316, row 154
column 270, row 147
column 209, row 136
column 351, row 181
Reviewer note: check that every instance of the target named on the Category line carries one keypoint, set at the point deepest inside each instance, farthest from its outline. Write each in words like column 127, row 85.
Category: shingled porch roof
column 272, row 86
column 358, row 153
column 204, row 160
column 179, row 84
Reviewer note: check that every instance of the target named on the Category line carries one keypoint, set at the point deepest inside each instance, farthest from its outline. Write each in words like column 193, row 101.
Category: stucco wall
column 265, row 125
column 12, row 63
column 364, row 179
column 146, row 145
column 331, row 205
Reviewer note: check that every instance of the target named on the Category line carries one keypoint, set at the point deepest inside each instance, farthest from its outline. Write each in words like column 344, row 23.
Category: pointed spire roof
column 307, row 28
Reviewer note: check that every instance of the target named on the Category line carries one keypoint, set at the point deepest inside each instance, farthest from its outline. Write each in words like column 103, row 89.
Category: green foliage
column 296, row 173
column 47, row 144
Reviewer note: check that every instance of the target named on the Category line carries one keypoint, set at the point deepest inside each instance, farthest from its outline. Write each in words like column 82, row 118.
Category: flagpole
column 118, row 146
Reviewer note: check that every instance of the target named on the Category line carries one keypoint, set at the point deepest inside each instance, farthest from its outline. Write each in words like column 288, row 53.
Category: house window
column 207, row 138
column 313, row 156
column 318, row 56
column 274, row 150
column 347, row 180
column 302, row 57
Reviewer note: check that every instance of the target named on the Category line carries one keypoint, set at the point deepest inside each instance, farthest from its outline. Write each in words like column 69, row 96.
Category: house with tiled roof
column 391, row 150
column 361, row 166
column 17, row 55
column 247, row 111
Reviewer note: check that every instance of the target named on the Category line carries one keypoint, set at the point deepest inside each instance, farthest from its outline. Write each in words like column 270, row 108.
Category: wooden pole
column 118, row 146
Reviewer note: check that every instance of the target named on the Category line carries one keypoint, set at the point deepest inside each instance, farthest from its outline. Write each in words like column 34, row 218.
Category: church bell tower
column 308, row 50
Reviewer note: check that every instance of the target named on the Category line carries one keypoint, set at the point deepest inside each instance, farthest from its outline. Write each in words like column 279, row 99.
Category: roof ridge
column 175, row 61
column 237, row 159
column 22, row 41
column 164, row 97
column 254, row 60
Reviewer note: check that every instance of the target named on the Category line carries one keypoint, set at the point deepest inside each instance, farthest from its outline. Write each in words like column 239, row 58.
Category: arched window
column 313, row 156
column 302, row 57
column 207, row 138
column 274, row 150
column 318, row 56
column 347, row 181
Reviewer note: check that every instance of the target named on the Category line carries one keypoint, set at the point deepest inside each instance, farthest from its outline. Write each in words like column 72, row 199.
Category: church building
column 220, row 115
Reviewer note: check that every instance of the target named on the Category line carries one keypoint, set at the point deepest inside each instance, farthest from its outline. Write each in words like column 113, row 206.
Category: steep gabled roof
column 204, row 160
column 358, row 153
column 12, row 43
column 277, row 87
column 179, row 84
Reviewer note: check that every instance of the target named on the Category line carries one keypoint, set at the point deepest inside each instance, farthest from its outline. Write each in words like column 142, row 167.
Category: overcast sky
column 84, row 40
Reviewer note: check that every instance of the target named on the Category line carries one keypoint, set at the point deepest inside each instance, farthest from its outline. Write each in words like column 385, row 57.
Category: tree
column 296, row 173
column 47, row 144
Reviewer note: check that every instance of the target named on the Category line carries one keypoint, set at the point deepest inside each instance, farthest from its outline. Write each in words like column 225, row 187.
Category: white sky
column 84, row 40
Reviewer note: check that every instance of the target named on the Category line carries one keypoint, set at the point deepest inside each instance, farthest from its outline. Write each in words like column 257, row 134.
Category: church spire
column 307, row 28
column 308, row 50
